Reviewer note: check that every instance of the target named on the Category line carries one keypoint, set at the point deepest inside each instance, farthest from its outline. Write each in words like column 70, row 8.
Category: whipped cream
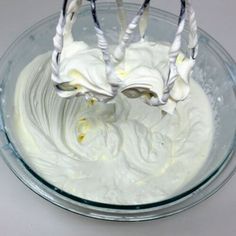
column 122, row 152
column 143, row 73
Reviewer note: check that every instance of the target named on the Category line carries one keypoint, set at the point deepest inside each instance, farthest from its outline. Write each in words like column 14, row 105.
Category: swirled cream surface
column 122, row 152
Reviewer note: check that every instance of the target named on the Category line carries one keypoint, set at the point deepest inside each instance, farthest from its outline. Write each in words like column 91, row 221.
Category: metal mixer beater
column 68, row 17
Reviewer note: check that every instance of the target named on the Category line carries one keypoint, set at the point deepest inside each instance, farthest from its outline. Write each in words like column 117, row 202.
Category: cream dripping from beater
column 157, row 85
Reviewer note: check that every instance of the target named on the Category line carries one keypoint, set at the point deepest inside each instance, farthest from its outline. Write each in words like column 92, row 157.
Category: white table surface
column 22, row 212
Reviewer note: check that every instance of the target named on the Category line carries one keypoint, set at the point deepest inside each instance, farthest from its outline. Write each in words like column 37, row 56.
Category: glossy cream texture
column 142, row 73
column 123, row 152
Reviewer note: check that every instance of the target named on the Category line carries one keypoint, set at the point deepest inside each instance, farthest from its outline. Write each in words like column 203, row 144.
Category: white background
column 22, row 212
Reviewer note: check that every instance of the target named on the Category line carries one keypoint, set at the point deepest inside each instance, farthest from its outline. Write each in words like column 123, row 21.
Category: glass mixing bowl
column 215, row 71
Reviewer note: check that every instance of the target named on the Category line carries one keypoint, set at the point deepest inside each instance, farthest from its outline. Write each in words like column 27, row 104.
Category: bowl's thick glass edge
column 127, row 213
